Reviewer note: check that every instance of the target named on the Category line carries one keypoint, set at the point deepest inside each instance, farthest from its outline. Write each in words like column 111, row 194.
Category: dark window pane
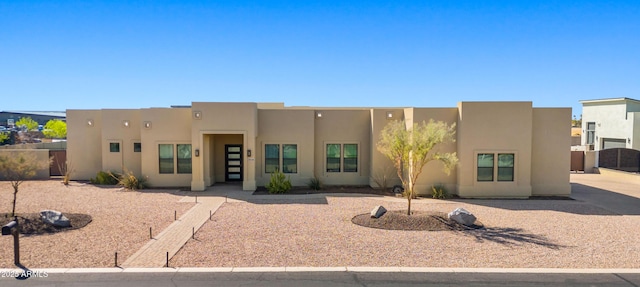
column 351, row 158
column 505, row 173
column 137, row 147
column 485, row 174
column 289, row 158
column 485, row 167
column 184, row 158
column 333, row 158
column 114, row 147
column 271, row 158
column 166, row 158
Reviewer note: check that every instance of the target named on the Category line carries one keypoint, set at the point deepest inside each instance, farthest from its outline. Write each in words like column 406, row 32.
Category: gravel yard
column 121, row 221
column 319, row 232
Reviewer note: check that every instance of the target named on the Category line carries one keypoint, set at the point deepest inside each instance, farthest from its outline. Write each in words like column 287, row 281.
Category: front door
column 233, row 162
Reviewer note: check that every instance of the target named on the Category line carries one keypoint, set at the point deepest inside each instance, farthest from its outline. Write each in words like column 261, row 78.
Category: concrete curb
column 363, row 269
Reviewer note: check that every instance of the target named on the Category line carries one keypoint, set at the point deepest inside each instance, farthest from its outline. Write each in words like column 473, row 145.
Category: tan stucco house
column 506, row 149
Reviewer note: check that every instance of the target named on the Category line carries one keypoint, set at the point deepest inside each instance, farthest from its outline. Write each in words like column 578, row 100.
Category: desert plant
column 382, row 178
column 55, row 129
column 16, row 168
column 106, row 178
column 411, row 148
column 130, row 181
column 438, row 191
column 279, row 183
column 66, row 169
column 315, row 183
column 27, row 123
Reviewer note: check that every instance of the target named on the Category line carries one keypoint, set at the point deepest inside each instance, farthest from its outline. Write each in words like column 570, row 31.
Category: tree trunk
column 15, row 196
column 409, row 202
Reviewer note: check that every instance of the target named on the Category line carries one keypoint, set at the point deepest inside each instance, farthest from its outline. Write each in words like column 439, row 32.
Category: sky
column 57, row 55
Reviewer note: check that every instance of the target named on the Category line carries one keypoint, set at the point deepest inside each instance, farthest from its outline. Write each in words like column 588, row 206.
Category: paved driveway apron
column 614, row 194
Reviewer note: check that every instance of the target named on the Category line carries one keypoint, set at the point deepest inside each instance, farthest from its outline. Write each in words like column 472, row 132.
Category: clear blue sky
column 56, row 55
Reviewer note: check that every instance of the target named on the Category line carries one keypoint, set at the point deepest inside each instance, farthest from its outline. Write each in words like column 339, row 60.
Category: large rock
column 378, row 211
column 462, row 216
column 55, row 218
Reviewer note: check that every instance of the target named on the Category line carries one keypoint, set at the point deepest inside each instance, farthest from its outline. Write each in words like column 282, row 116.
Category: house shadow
column 584, row 200
column 510, row 237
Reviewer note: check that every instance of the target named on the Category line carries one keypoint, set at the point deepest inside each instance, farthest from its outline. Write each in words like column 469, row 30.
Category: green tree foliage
column 18, row 167
column 55, row 129
column 410, row 149
column 3, row 137
column 27, row 123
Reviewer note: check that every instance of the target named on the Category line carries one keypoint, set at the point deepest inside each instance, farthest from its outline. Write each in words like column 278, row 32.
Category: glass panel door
column 233, row 162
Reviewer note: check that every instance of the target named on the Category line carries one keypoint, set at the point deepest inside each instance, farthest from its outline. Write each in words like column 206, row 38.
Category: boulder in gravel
column 378, row 211
column 55, row 218
column 462, row 216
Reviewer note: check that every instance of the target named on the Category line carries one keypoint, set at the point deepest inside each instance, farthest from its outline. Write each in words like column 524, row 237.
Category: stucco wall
column 123, row 127
column 224, row 118
column 381, row 165
column 84, row 143
column 495, row 127
column 287, row 127
column 343, row 127
column 167, row 126
column 433, row 173
column 551, row 152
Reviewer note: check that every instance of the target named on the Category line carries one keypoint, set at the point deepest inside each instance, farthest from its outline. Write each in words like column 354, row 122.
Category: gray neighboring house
column 9, row 117
column 611, row 123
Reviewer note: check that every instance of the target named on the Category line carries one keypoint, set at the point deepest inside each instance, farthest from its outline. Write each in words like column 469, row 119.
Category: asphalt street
column 161, row 279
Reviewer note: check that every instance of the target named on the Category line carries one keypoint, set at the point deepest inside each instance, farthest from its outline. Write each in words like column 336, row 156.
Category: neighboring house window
column 137, row 147
column 271, row 158
column 342, row 157
column 114, row 147
column 184, row 158
column 505, row 166
column 166, row 158
column 289, row 158
column 485, row 167
column 591, row 132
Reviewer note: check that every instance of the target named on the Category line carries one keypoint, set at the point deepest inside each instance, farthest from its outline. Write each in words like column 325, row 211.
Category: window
column 591, row 132
column 505, row 167
column 333, row 157
column 137, row 147
column 271, row 158
column 114, row 147
column 351, row 158
column 166, row 158
column 485, row 167
column 289, row 158
column 342, row 157
column 184, row 158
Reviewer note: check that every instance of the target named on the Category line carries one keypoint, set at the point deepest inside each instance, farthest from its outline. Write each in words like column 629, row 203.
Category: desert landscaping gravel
column 121, row 221
column 317, row 231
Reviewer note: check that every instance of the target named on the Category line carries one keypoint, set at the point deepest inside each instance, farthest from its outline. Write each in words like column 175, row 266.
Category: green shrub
column 315, row 184
column 106, row 178
column 438, row 191
column 129, row 181
column 278, row 183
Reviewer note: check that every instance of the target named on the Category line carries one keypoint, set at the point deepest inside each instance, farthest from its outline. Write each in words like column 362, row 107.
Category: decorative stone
column 462, row 216
column 378, row 211
column 55, row 218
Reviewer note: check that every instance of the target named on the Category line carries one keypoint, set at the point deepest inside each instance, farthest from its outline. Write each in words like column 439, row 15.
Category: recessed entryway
column 233, row 162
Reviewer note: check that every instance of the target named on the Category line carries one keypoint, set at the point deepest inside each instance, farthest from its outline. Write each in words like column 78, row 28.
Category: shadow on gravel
column 510, row 237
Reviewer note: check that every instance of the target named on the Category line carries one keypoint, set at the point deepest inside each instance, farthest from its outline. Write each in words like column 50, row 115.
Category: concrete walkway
column 154, row 253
